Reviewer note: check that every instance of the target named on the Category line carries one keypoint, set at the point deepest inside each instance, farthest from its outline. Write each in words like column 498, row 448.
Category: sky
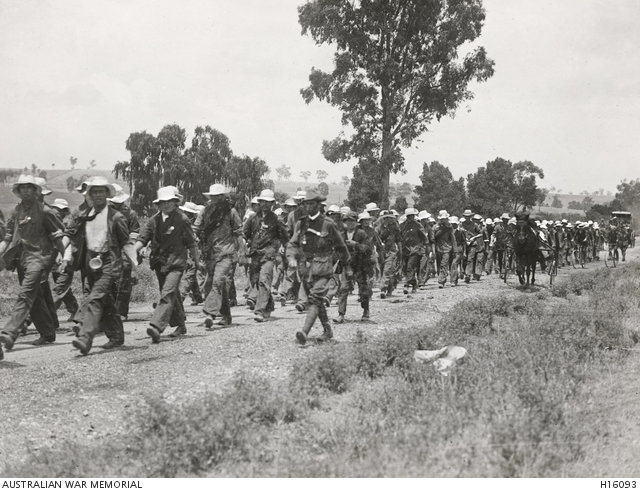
column 78, row 77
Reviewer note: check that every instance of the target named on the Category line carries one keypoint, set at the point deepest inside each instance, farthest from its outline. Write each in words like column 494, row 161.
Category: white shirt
column 314, row 217
column 96, row 232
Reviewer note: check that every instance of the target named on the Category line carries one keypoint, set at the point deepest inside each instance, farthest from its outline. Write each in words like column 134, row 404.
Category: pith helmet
column 26, row 179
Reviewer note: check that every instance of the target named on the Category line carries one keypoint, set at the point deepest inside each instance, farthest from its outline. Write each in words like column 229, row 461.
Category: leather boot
column 310, row 319
column 365, row 307
column 327, row 333
column 180, row 330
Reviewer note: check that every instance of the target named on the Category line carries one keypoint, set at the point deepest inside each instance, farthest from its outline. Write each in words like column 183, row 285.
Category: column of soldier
column 305, row 252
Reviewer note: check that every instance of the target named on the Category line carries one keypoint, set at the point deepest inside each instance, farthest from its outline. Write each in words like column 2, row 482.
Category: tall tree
column 365, row 185
column 541, row 197
column 525, row 189
column 283, row 172
column 503, row 187
column 322, row 174
column 628, row 194
column 438, row 190
column 166, row 160
column 345, row 180
column 305, row 175
column 396, row 68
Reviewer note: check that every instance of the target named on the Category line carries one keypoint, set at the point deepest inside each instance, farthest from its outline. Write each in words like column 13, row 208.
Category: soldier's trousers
column 217, row 284
column 475, row 259
column 278, row 276
column 412, row 268
column 190, row 285
column 62, row 293
column 123, row 287
column 334, row 286
column 427, row 269
column 443, row 262
column 456, row 263
column 291, row 286
column 489, row 260
column 261, row 278
column 169, row 309
column 365, row 290
column 99, row 310
column 31, row 301
column 390, row 272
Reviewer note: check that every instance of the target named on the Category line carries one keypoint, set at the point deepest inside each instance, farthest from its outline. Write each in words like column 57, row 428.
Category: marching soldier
column 171, row 237
column 32, row 232
column 474, row 244
column 389, row 233
column 125, row 283
column 458, row 252
column 220, row 229
column 264, row 234
column 359, row 246
column 310, row 249
column 445, row 244
column 97, row 239
column 414, row 239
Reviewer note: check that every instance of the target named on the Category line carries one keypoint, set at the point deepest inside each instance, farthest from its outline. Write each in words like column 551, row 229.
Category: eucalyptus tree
column 398, row 65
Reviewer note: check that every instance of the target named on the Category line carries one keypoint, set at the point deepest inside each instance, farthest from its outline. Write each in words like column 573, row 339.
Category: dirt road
column 52, row 393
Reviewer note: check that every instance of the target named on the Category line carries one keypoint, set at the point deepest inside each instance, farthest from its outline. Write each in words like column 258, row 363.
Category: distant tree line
column 166, row 159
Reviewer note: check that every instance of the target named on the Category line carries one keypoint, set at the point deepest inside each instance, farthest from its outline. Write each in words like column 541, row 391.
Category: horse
column 525, row 245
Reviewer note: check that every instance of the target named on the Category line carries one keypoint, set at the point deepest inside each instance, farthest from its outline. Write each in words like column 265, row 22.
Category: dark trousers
column 62, row 293
column 169, row 309
column 31, row 301
column 99, row 311
column 190, row 284
column 412, row 268
column 217, row 284
column 261, row 278
column 122, row 289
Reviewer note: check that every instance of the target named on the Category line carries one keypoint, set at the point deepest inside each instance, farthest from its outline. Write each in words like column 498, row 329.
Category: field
column 533, row 398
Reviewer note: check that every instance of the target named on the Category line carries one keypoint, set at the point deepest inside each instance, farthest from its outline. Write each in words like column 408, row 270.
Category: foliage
column 400, row 205
column 305, row 175
column 541, row 197
column 585, row 204
column 323, row 188
column 628, row 194
column 322, row 174
column 72, row 183
column 365, row 185
column 510, row 408
column 396, row 68
column 345, row 180
column 556, row 203
column 283, row 172
column 7, row 174
column 503, row 187
column 281, row 196
column 166, row 160
column 438, row 189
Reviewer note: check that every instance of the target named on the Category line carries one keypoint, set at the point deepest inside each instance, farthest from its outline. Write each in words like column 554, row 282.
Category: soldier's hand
column 349, row 272
column 64, row 264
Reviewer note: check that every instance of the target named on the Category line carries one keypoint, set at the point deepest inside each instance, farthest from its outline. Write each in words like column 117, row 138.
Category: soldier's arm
column 283, row 234
column 339, row 244
column 146, row 234
column 236, row 223
column 134, row 226
column 292, row 251
column 11, row 224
